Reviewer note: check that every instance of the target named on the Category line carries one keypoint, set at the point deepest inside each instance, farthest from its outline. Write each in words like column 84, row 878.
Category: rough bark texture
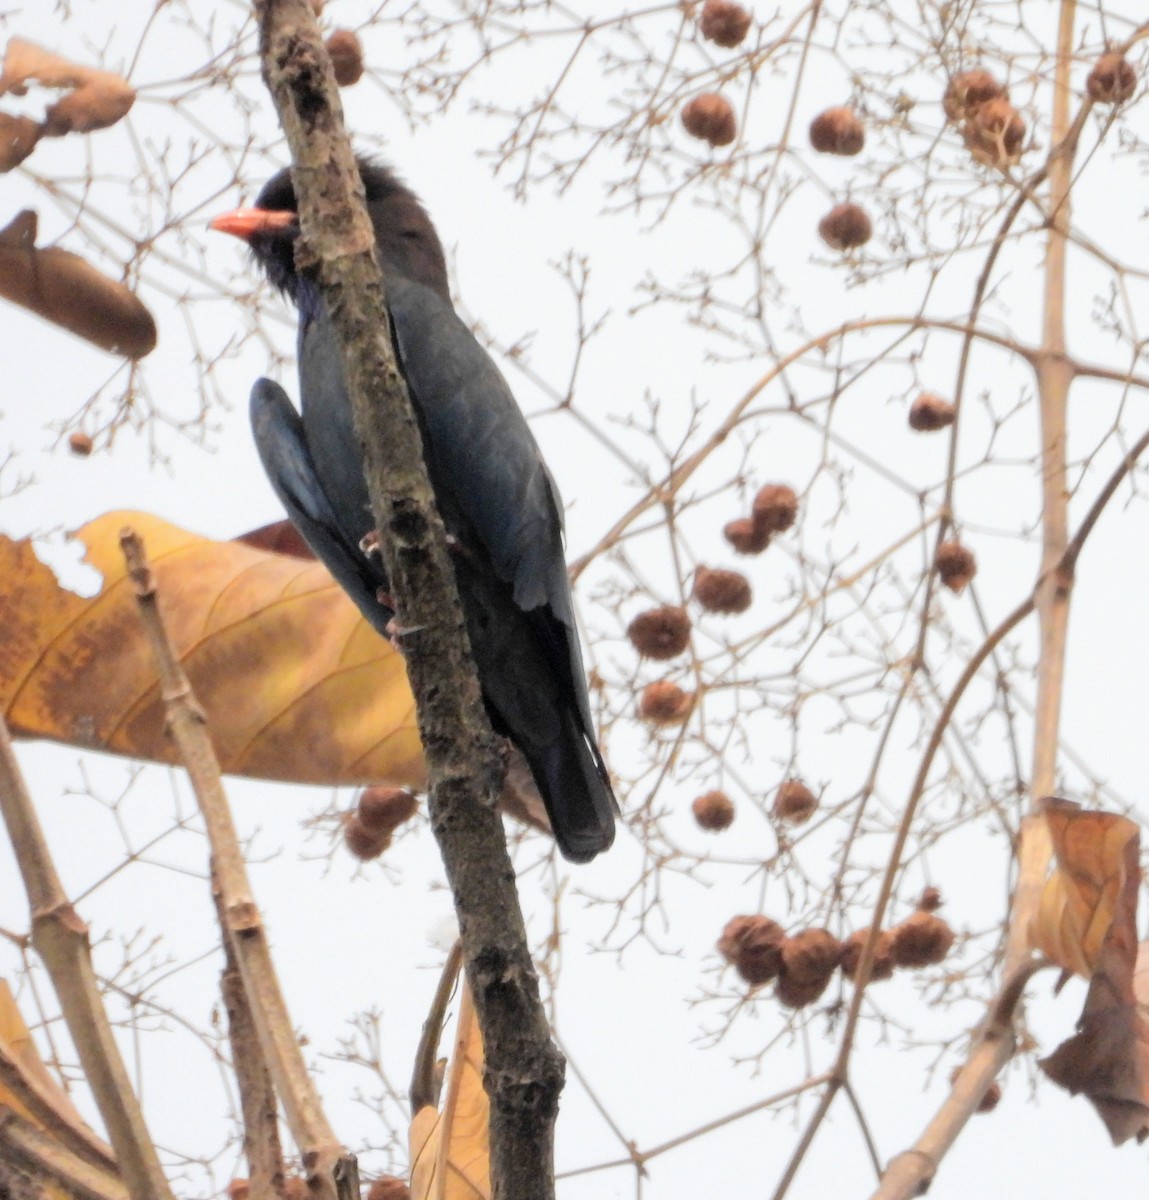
column 524, row 1070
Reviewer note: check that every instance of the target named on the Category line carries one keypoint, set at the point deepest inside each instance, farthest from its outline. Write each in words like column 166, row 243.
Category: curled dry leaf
column 1096, row 853
column 95, row 99
column 296, row 685
column 64, row 289
column 1088, row 916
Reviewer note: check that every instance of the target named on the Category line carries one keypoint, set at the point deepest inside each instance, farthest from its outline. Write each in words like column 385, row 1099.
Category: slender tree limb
column 261, row 1144
column 324, row 1158
column 60, row 938
column 523, row 1071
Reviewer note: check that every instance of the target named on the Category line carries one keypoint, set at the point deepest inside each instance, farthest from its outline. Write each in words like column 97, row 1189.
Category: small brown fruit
column 346, row 52
column 720, row 591
column 921, row 940
column 811, row 957
column 745, row 536
column 929, row 413
column 837, row 131
column 883, row 964
column 792, row 994
column 995, row 133
column 711, row 118
column 664, row 703
column 363, row 843
column 238, row 1189
column 660, row 633
column 845, row 227
column 80, row 444
column 990, row 1100
column 1112, row 80
column 930, row 900
column 775, row 507
column 956, row 565
column 294, row 1187
column 968, row 91
column 753, row 944
column 713, row 811
column 383, row 809
column 794, row 802
column 388, row 1187
column 723, row 23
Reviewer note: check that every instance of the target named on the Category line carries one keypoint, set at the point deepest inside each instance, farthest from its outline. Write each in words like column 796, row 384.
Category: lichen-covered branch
column 524, row 1070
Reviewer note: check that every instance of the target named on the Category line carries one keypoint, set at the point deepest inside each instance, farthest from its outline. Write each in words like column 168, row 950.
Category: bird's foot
column 369, row 544
column 396, row 633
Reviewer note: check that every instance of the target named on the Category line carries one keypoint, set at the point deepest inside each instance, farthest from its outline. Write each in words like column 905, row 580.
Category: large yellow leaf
column 296, row 685
column 450, row 1156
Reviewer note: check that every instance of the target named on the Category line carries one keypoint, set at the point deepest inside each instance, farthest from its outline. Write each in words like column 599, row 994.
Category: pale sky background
column 635, row 1024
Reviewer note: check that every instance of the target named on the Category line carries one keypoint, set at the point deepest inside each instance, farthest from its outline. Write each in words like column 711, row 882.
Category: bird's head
column 406, row 239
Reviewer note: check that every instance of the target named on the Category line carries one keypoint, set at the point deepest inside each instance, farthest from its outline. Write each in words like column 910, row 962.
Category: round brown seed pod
column 80, row 444
column 660, row 633
column 995, row 133
column 794, row 802
column 837, row 131
column 745, row 536
column 381, row 810
column 346, row 52
column 956, row 565
column 753, row 945
column 720, row 591
column 922, row 940
column 883, row 964
column 811, row 956
column 930, row 900
column 792, row 994
column 713, row 811
column 388, row 1187
column 238, row 1189
column 990, row 1100
column 1113, row 80
column 929, row 413
column 363, row 843
column 664, row 703
column 710, row 117
column 845, row 227
column 294, row 1187
column 775, row 507
column 723, row 23
column 967, row 91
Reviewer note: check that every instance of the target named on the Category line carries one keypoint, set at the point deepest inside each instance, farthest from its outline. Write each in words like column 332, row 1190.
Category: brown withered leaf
column 1096, row 853
column 18, row 138
column 29, row 1090
column 64, row 289
column 95, row 99
column 1108, row 1058
column 296, row 685
column 449, row 1147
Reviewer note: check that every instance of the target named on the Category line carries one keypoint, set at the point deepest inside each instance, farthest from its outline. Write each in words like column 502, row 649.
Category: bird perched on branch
column 500, row 506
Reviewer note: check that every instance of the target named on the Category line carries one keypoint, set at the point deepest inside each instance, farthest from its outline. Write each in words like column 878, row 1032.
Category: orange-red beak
column 247, row 222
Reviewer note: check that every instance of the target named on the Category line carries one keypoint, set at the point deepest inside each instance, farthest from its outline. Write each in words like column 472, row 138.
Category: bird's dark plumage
column 494, row 492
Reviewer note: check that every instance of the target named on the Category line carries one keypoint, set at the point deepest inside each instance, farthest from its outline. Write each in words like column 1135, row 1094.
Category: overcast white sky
column 636, row 1024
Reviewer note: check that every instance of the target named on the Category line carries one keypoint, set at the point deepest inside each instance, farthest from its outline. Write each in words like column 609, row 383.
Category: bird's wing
column 489, row 476
column 283, row 449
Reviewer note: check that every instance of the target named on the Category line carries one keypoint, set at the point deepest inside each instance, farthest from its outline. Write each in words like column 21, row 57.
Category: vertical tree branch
column 523, row 1070
column 60, row 938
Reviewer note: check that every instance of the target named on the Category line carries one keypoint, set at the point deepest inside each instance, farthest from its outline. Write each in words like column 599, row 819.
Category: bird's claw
column 396, row 633
column 369, row 544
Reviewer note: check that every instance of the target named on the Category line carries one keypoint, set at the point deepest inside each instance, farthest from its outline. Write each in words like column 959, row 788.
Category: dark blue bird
column 497, row 499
